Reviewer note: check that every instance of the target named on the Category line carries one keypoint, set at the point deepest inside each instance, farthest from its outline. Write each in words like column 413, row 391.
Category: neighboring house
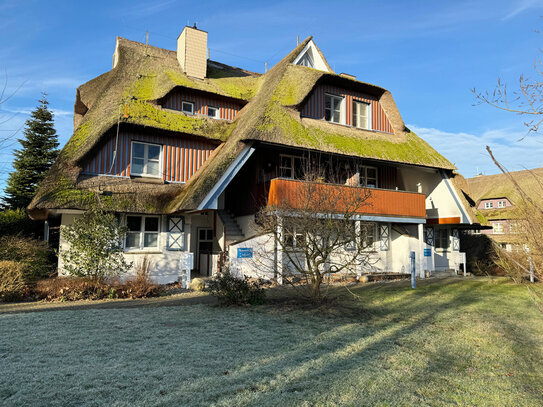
column 499, row 204
column 187, row 150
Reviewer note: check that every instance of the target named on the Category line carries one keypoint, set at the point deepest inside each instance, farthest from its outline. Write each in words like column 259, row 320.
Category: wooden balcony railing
column 322, row 197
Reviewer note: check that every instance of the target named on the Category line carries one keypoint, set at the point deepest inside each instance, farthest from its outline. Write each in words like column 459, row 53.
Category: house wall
column 166, row 265
column 506, row 227
column 182, row 155
column 440, row 199
column 228, row 109
column 314, row 108
column 494, row 203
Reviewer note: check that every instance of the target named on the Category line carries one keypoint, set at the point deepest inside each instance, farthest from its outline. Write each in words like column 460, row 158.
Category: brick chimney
column 192, row 52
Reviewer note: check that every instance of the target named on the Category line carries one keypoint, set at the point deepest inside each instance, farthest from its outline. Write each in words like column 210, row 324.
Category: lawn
column 450, row 342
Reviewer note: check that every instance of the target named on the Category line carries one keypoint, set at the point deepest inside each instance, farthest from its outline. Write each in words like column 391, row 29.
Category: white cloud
column 468, row 151
column 522, row 6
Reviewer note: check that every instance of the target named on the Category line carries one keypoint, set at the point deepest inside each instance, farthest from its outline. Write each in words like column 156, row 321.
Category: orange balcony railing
column 322, row 197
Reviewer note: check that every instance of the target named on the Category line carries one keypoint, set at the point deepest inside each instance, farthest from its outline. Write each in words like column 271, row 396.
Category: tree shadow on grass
column 298, row 370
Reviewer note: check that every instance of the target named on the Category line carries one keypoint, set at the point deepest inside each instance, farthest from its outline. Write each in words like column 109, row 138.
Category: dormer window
column 361, row 115
column 501, row 204
column 488, row 205
column 213, row 112
column 187, row 107
column 333, row 109
column 306, row 60
column 145, row 159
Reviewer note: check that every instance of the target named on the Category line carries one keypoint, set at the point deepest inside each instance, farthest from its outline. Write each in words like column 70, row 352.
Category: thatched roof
column 144, row 74
column 485, row 187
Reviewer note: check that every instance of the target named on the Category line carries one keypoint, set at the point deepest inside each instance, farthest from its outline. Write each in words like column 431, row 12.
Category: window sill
column 146, row 179
column 139, row 251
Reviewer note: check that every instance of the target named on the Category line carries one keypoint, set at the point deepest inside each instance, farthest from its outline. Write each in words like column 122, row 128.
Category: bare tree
column 316, row 229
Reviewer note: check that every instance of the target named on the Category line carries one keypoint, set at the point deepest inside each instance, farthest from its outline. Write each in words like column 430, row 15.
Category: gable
column 311, row 57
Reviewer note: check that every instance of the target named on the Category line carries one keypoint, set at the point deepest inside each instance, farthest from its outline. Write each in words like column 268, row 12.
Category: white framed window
column 501, row 204
column 213, row 112
column 333, row 109
column 187, row 107
column 146, row 159
column 293, row 238
column 361, row 115
column 367, row 176
column 368, row 234
column 488, row 205
column 306, row 60
column 142, row 232
column 291, row 166
column 497, row 228
column 441, row 237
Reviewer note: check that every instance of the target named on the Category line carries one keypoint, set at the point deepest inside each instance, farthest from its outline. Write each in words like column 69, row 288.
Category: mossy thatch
column 500, row 186
column 144, row 74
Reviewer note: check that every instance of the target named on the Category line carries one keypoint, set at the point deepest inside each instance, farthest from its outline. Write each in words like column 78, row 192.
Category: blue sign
column 245, row 253
column 427, row 252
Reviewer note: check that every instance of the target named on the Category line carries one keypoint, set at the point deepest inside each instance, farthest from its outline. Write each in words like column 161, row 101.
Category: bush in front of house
column 95, row 248
column 36, row 258
column 231, row 290
column 86, row 288
column 12, row 283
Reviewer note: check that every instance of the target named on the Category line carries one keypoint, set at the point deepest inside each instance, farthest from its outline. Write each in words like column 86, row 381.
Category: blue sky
column 428, row 54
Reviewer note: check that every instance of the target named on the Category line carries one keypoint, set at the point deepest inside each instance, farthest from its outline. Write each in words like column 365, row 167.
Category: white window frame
column 306, row 60
column 497, row 228
column 501, row 204
column 341, row 100
column 363, row 176
column 191, row 111
column 146, row 159
column 142, row 233
column 294, row 235
column 488, row 205
column 217, row 112
column 356, row 116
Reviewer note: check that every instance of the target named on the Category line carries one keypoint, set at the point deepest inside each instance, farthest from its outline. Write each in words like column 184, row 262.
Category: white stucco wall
column 166, row 265
column 440, row 199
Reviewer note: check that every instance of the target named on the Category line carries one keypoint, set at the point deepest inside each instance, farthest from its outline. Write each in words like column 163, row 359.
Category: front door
column 205, row 250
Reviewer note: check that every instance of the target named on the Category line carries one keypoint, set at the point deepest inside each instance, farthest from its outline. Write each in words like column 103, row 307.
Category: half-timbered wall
column 227, row 109
column 314, row 108
column 182, row 155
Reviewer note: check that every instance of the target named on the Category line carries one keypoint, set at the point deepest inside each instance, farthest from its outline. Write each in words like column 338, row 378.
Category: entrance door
column 205, row 249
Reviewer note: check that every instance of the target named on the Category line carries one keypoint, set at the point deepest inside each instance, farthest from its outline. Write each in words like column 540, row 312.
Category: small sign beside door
column 245, row 253
column 427, row 252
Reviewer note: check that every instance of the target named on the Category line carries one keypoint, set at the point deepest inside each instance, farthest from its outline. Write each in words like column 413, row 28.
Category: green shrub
column 17, row 222
column 37, row 259
column 236, row 291
column 95, row 246
column 12, row 283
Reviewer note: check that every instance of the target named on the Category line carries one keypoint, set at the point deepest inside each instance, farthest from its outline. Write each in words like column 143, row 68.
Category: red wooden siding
column 291, row 194
column 227, row 110
column 314, row 107
column 181, row 156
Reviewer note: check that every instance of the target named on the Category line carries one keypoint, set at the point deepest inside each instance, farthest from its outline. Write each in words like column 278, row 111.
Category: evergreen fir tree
column 38, row 152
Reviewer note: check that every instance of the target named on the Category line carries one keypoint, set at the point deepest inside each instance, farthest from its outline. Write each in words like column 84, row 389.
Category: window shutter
column 384, row 237
column 429, row 238
column 176, row 235
column 455, row 240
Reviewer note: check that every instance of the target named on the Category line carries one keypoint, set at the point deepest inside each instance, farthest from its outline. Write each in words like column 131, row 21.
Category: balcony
column 322, row 197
